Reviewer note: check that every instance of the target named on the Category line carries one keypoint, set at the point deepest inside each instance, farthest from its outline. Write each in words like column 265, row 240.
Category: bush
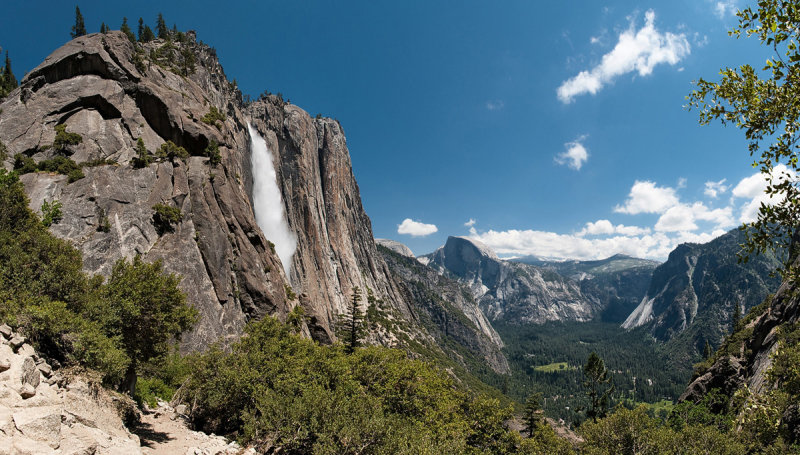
column 212, row 152
column 213, row 116
column 169, row 151
column 64, row 140
column 143, row 157
column 164, row 217
column 274, row 388
column 51, row 213
column 24, row 164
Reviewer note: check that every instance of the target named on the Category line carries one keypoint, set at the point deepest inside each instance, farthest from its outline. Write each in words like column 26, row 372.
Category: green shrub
column 150, row 390
column 24, row 164
column 276, row 388
column 213, row 154
column 64, row 139
column 3, row 151
column 164, row 216
column 51, row 213
column 213, row 116
column 143, row 157
column 170, row 151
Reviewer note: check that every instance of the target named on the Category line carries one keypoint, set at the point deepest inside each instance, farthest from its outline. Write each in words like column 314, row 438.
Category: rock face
column 335, row 246
column 697, row 288
column 510, row 291
column 618, row 282
column 112, row 92
column 91, row 86
column 750, row 365
column 43, row 413
column 447, row 310
column 395, row 246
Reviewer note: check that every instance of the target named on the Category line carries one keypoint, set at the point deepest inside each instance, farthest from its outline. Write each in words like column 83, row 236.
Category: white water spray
column 267, row 203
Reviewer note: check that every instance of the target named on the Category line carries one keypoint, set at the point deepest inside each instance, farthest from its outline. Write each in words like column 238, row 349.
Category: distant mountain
column 618, row 282
column 691, row 297
column 395, row 246
column 512, row 291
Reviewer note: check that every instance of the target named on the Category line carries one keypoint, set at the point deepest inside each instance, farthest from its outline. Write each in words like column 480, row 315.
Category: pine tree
column 7, row 80
column 351, row 323
column 532, row 414
column 737, row 316
column 596, row 376
column 79, row 29
column 707, row 350
column 103, row 28
column 140, row 30
column 124, row 28
column 147, row 34
column 161, row 27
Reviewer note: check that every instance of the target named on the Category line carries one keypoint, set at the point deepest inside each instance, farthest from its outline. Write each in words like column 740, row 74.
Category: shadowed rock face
column 754, row 356
column 696, row 289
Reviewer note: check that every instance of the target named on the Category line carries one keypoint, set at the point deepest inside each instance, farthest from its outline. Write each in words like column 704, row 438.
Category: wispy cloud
column 636, row 50
column 495, row 105
column 575, row 154
column 416, row 228
column 724, row 8
column 470, row 223
column 714, row 189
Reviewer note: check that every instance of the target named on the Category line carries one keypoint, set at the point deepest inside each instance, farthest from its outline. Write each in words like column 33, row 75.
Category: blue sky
column 547, row 128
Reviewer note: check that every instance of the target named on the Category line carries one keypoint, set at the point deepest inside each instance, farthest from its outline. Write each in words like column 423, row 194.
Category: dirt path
column 164, row 432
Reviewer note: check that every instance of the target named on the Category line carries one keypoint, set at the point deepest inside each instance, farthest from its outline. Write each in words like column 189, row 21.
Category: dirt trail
column 163, row 431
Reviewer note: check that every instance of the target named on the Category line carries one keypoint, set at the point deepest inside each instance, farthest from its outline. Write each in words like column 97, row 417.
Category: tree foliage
column 164, row 217
column 161, row 27
column 597, row 382
column 71, row 317
column 276, row 389
column 8, row 81
column 145, row 310
column 763, row 103
column 126, row 29
column 79, row 29
column 351, row 329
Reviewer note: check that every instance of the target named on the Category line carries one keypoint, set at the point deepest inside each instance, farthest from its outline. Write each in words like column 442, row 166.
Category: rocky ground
column 44, row 410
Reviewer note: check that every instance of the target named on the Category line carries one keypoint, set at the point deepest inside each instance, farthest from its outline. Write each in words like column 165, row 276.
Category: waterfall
column 267, row 203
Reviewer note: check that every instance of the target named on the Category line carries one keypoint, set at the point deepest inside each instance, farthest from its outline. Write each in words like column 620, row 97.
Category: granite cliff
column 159, row 123
column 691, row 297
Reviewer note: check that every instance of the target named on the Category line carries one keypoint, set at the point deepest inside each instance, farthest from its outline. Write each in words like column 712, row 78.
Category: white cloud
column 646, row 197
column 470, row 223
column 495, row 105
column 575, row 155
column 724, row 7
column 754, row 187
column 604, row 227
column 682, row 182
column 560, row 246
column 676, row 219
column 714, row 189
column 637, row 50
column 415, row 228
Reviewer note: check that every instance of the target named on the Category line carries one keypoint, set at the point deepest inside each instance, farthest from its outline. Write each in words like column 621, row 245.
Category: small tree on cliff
column 145, row 311
column 79, row 29
column 351, row 323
